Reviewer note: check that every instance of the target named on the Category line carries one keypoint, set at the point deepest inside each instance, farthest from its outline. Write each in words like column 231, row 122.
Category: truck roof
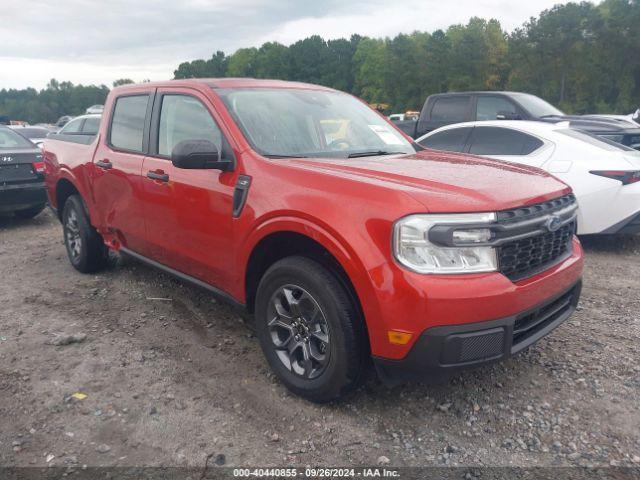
column 226, row 83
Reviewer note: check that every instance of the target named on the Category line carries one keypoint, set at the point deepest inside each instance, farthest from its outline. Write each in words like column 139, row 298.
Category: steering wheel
column 339, row 144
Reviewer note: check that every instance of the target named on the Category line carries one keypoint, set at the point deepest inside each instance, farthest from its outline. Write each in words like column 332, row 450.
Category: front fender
column 339, row 247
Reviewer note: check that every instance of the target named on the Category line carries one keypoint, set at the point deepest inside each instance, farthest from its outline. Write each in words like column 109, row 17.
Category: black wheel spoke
column 307, row 362
column 321, row 336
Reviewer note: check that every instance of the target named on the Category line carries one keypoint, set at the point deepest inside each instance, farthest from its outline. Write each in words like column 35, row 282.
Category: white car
column 82, row 125
column 605, row 176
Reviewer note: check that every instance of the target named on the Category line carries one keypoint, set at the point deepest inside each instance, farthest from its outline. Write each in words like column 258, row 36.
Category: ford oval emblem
column 554, row 223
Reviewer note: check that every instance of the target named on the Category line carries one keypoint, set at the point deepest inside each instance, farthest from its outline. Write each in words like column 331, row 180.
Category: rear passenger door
column 508, row 144
column 117, row 168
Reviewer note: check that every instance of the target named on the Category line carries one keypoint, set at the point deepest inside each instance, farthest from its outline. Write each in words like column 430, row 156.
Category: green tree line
column 582, row 57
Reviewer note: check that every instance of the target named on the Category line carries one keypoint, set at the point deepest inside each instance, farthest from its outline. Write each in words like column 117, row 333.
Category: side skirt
column 219, row 294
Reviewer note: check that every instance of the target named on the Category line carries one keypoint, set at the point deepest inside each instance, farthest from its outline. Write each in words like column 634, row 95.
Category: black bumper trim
column 442, row 351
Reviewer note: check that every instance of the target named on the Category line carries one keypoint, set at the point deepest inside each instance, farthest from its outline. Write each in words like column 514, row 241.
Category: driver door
column 188, row 212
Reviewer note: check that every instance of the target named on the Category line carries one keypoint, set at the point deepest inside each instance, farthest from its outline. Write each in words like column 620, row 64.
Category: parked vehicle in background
column 402, row 117
column 451, row 108
column 33, row 133
column 62, row 121
column 345, row 246
column 95, row 109
column 87, row 125
column 604, row 175
column 5, row 120
column 21, row 175
column 397, row 117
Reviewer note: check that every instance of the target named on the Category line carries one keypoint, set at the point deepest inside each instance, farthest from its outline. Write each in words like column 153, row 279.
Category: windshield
column 536, row 106
column 311, row 123
column 10, row 139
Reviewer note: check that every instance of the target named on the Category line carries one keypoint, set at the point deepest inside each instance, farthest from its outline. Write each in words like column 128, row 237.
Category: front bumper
column 630, row 225
column 21, row 196
column 441, row 351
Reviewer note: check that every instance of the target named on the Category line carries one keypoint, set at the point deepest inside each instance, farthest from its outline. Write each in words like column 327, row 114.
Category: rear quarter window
column 502, row 141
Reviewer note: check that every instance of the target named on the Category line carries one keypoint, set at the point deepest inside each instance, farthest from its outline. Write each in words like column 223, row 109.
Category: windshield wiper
column 371, row 154
column 277, row 155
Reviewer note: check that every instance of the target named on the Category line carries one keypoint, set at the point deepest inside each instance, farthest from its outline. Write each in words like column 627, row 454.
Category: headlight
column 413, row 249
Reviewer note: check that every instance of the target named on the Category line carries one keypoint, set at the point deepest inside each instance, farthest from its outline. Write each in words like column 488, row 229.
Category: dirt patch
column 171, row 377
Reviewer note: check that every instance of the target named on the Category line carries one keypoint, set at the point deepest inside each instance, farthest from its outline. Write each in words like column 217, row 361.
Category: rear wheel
column 309, row 329
column 85, row 247
column 30, row 212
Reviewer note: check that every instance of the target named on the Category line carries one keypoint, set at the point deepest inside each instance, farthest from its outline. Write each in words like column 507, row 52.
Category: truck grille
column 523, row 257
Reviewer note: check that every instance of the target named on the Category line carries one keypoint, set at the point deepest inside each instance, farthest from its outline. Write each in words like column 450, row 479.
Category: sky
column 99, row 41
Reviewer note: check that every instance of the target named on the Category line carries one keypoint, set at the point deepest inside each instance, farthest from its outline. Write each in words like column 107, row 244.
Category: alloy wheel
column 299, row 331
column 72, row 235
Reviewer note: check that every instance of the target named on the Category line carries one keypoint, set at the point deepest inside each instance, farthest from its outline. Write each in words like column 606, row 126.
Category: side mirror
column 502, row 115
column 199, row 154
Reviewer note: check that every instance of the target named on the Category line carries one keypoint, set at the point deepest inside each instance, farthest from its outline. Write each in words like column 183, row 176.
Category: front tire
column 309, row 330
column 28, row 213
column 85, row 247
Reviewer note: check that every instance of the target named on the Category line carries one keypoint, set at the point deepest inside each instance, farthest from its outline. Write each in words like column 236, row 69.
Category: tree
column 122, row 81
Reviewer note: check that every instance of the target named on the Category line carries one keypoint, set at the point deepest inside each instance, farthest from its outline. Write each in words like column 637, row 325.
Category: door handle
column 104, row 164
column 159, row 175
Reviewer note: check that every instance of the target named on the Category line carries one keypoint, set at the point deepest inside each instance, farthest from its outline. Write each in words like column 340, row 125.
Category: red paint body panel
column 348, row 206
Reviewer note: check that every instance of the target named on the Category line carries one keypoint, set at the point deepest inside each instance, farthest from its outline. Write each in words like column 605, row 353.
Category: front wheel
column 85, row 247
column 309, row 329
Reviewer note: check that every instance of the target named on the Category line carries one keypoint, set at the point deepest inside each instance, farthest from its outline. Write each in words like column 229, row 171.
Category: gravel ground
column 172, row 378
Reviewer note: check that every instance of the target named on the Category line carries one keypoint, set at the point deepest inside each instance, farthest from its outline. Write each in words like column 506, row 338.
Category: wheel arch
column 279, row 243
column 64, row 189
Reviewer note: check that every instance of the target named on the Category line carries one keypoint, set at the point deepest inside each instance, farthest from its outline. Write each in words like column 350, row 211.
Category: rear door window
column 450, row 109
column 502, row 141
column 127, row 123
column 451, row 140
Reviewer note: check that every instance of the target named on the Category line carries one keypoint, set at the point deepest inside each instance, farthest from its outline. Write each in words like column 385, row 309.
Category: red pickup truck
column 346, row 240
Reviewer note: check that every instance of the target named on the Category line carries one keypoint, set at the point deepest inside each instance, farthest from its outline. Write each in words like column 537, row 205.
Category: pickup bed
column 346, row 241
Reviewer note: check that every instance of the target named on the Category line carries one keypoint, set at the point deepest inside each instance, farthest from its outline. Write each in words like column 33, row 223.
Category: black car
column 456, row 107
column 21, row 176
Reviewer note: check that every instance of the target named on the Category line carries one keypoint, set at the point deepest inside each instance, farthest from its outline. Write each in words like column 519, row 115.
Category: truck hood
column 448, row 182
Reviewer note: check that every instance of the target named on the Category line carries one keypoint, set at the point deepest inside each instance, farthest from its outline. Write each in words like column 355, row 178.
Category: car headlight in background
column 413, row 249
